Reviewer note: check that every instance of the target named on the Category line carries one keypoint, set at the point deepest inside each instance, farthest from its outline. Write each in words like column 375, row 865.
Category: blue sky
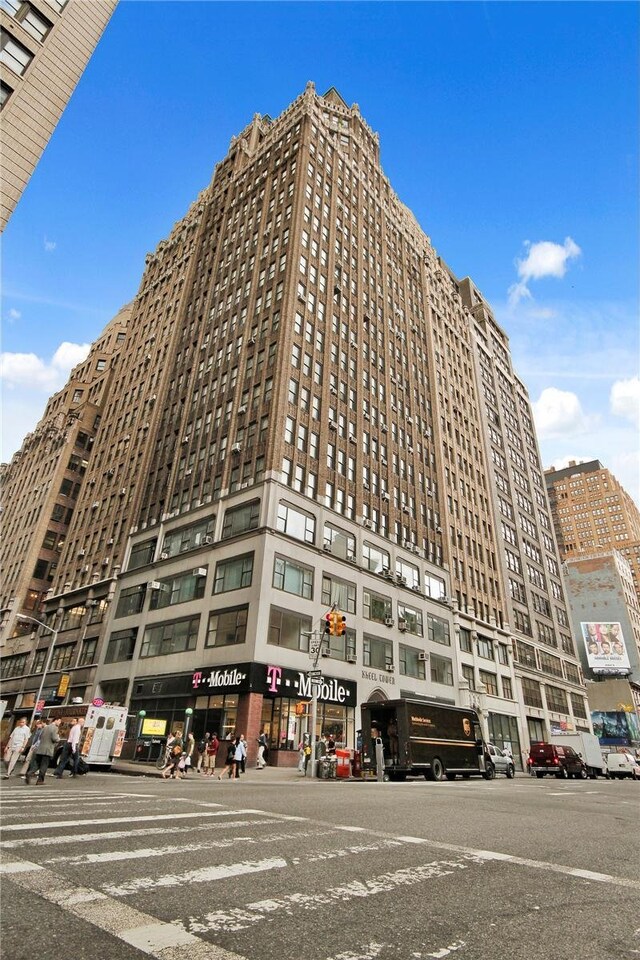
column 510, row 130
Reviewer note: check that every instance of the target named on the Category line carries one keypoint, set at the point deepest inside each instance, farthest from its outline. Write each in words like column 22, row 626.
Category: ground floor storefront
column 246, row 698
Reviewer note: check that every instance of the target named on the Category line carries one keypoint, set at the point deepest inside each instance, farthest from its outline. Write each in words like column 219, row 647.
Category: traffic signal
column 339, row 624
column 328, row 624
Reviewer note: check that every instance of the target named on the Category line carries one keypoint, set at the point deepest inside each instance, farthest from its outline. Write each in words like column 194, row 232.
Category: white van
column 621, row 765
column 102, row 732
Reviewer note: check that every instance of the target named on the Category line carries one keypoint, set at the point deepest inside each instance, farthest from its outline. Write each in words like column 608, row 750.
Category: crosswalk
column 178, row 876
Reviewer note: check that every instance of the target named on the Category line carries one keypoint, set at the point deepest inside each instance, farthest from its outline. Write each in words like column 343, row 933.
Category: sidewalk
column 133, row 768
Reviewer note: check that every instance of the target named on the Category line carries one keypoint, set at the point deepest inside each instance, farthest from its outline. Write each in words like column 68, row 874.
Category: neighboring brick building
column 309, row 408
column 44, row 47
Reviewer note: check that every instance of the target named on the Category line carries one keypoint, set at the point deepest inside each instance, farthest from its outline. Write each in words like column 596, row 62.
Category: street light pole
column 23, row 617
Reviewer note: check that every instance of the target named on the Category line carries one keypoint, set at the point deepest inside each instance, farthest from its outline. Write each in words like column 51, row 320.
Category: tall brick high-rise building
column 310, row 409
column 44, row 47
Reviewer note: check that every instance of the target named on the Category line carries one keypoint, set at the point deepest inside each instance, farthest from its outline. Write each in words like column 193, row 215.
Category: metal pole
column 314, row 720
column 23, row 617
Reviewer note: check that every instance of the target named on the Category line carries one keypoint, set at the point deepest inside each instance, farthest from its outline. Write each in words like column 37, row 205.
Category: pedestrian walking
column 187, row 757
column 71, row 750
column 230, row 763
column 240, row 756
column 202, row 752
column 20, row 736
column 172, row 770
column 44, row 752
column 263, row 751
column 36, row 736
column 213, row 745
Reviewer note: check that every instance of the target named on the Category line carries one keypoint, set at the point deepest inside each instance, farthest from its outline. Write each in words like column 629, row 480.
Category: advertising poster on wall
column 616, row 728
column 605, row 647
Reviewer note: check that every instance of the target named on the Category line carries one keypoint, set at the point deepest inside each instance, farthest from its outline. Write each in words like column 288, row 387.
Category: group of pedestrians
column 180, row 753
column 38, row 747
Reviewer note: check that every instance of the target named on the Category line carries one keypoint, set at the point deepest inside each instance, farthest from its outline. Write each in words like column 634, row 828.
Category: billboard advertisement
column 605, row 647
column 616, row 728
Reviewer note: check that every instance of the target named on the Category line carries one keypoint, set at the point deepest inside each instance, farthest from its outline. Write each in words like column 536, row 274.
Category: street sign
column 97, row 702
column 315, row 674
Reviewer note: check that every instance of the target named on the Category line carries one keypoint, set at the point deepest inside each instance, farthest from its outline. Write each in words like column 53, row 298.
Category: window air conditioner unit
column 236, row 448
column 199, row 572
column 365, row 485
column 154, row 585
column 352, row 658
column 402, row 625
column 92, row 603
column 327, row 548
column 105, row 561
column 388, row 575
column 251, row 341
column 351, row 557
column 389, row 621
column 325, row 652
column 352, row 438
column 388, row 665
column 110, row 542
column 402, row 581
column 95, row 504
column 85, row 569
column 242, row 410
column 164, row 556
column 81, row 553
column 207, row 540
column 367, row 524
column 332, row 425
column 386, row 497
column 423, row 656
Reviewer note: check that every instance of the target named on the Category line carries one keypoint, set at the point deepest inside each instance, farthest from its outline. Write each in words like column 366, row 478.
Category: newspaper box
column 343, row 763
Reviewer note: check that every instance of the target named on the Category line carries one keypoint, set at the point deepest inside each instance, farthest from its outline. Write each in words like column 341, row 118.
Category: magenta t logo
column 273, row 676
column 197, row 677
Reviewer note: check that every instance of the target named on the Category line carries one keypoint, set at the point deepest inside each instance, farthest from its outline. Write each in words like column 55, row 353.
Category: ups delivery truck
column 422, row 737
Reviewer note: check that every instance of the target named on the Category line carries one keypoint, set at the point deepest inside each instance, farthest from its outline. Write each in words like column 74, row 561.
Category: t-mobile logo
column 273, row 678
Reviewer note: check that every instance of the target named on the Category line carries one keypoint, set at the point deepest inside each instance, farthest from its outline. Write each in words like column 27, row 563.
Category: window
column 14, row 666
column 507, row 689
column 503, row 654
column 233, row 574
column 410, row 663
column 376, row 607
column 464, row 640
column 340, row 592
column 289, row 629
column 531, row 693
column 412, row 619
column 188, row 538
column 490, row 681
column 578, row 706
column 296, row 524
column 130, row 601
column 179, row 589
column 438, row 630
column 375, row 559
column 293, row 578
column 62, row 657
column 377, row 653
column 227, row 627
column 239, row 520
column 101, row 365
column 173, row 637
column 550, row 664
column 72, row 617
column 556, row 699
column 121, row 646
column 88, row 652
column 571, row 672
column 141, row 554
column 35, row 24
column 344, row 647
column 485, row 648
column 5, row 93
column 468, row 675
column 341, row 543
column 434, row 587
column 441, row 670
column 13, row 54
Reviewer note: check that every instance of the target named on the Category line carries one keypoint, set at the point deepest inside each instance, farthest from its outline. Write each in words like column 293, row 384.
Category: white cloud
column 13, row 314
column 624, row 400
column 544, row 259
column 559, row 413
column 49, row 245
column 27, row 369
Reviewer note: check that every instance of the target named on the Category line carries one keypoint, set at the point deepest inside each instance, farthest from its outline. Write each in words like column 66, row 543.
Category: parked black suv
column 562, row 762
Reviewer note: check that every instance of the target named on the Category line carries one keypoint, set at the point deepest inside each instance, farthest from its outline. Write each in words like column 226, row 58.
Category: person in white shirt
column 71, row 750
column 16, row 746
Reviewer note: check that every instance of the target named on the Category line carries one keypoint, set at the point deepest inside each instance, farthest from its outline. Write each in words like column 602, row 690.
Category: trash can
column 323, row 768
column 343, row 763
column 333, row 763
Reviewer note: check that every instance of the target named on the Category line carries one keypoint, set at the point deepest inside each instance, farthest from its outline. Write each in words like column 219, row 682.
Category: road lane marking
column 202, row 875
column 82, row 823
column 236, row 919
column 37, row 801
column 164, row 941
column 119, row 834
column 145, row 853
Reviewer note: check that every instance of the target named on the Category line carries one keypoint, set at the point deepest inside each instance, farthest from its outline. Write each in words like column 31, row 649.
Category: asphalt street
column 282, row 868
